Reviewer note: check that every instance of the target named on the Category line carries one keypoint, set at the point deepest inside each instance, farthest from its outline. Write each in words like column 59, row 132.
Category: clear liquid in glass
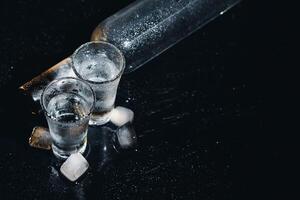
column 68, row 127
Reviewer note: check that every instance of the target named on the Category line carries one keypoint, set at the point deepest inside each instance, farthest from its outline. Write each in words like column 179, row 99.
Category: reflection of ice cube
column 121, row 115
column 74, row 167
column 40, row 138
column 126, row 136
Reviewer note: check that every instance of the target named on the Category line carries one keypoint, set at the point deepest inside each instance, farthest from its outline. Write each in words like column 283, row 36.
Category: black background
column 209, row 113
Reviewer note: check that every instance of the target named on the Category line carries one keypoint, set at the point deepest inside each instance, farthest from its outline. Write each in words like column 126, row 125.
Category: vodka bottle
column 146, row 28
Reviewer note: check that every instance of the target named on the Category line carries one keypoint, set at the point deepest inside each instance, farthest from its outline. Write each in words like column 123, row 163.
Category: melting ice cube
column 126, row 136
column 40, row 138
column 74, row 167
column 121, row 115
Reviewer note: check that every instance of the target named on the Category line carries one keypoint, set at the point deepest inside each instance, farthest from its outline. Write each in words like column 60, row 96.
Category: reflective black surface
column 203, row 110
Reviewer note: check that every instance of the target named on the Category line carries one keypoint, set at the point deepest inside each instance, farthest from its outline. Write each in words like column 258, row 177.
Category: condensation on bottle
column 146, row 28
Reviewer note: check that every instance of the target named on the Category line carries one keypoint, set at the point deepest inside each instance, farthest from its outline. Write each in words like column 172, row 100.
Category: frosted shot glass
column 101, row 64
column 67, row 104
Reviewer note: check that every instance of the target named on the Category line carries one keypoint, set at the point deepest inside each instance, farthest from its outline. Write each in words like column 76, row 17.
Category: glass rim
column 98, row 42
column 67, row 78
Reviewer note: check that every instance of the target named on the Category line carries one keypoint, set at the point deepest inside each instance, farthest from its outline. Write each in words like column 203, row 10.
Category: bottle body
column 142, row 31
column 146, row 28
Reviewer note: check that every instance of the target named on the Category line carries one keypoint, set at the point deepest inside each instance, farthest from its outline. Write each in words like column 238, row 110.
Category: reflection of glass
column 67, row 104
column 102, row 140
column 100, row 64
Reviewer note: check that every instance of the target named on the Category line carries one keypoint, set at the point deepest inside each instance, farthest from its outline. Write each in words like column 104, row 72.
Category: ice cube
column 126, row 136
column 121, row 115
column 40, row 138
column 74, row 167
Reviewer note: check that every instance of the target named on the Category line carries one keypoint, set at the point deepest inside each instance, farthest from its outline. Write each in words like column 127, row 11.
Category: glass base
column 64, row 154
column 99, row 119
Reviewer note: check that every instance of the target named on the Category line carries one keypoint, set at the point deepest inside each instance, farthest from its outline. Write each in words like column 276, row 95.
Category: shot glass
column 67, row 104
column 101, row 64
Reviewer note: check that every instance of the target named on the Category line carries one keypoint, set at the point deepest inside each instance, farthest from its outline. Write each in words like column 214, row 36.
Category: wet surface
column 200, row 110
